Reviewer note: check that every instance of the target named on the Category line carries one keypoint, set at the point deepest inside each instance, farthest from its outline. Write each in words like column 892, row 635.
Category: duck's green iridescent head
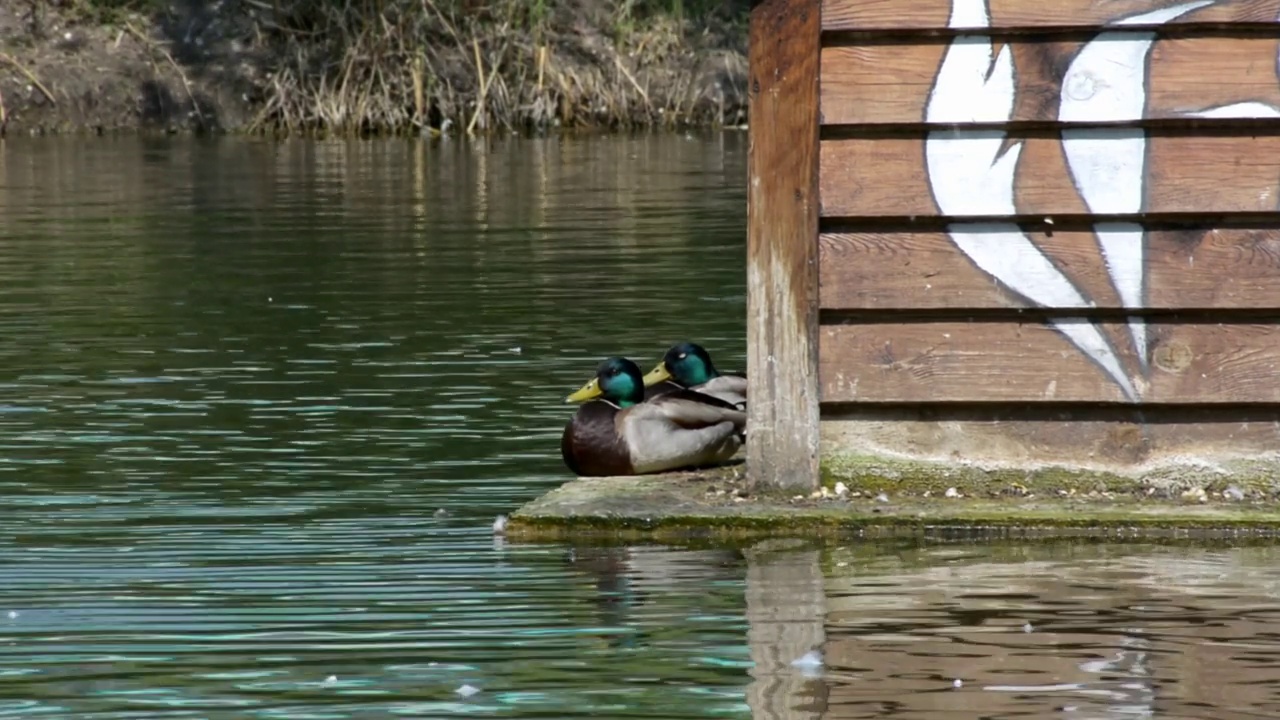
column 687, row 363
column 617, row 380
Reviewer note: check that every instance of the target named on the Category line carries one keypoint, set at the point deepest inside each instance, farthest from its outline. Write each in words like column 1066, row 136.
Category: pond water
column 261, row 402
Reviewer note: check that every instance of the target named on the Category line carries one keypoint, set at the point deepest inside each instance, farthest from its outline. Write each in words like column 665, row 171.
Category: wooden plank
column 1071, row 436
column 782, row 248
column 1183, row 174
column 1220, row 268
column 1033, row 362
column 933, row 15
column 891, row 84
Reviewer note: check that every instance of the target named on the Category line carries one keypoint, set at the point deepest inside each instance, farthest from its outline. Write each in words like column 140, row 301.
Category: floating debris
column 467, row 690
column 813, row 658
column 500, row 525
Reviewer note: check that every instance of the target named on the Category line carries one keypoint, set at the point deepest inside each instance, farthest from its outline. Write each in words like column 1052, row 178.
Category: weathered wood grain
column 932, row 15
column 890, row 84
column 782, row 230
column 1185, row 174
column 1091, row 437
column 1031, row 362
column 1202, row 268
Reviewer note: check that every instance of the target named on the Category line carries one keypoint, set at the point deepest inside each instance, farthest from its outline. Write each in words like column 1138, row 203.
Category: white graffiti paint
column 969, row 176
column 1107, row 82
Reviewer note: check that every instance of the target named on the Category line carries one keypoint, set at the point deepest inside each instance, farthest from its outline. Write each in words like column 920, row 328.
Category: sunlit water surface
column 260, row 404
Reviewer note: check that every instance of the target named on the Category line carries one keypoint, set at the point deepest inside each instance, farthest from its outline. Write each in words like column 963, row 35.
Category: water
column 260, row 403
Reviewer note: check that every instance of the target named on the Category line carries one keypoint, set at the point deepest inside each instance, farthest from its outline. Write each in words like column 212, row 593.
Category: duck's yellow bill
column 657, row 375
column 586, row 392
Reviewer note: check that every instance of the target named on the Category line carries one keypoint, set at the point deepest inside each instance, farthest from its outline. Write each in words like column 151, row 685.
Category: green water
column 260, row 404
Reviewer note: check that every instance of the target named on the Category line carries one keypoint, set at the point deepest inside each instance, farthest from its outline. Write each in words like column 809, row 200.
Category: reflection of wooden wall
column 1063, row 212
column 1127, row 632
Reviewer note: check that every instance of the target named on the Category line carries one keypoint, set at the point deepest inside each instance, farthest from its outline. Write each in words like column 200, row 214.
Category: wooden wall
column 1033, row 231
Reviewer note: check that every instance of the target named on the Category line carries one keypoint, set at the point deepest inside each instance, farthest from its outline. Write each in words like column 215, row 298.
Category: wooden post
column 782, row 249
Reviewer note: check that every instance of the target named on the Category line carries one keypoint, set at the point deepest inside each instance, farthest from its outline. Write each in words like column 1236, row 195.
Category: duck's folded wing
column 694, row 410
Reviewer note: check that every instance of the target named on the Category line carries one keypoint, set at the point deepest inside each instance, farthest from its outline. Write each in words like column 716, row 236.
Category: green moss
column 717, row 506
column 872, row 474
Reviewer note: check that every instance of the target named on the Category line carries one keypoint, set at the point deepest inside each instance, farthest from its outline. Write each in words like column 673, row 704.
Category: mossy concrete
column 880, row 498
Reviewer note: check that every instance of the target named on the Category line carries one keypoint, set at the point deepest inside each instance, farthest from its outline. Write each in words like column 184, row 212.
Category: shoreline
column 298, row 69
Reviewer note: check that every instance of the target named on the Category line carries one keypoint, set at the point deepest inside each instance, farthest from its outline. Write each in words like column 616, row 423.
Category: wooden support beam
column 782, row 244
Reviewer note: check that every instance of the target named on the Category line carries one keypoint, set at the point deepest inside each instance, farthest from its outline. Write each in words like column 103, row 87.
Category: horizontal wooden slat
column 1183, row 174
column 883, row 84
column 1033, row 362
column 917, row 15
column 1068, row 435
column 1224, row 268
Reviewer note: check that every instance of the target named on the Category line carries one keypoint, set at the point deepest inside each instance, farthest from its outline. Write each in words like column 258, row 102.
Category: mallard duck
column 688, row 365
column 618, row 432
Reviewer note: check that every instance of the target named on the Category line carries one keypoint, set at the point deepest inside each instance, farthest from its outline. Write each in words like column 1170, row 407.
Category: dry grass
column 468, row 65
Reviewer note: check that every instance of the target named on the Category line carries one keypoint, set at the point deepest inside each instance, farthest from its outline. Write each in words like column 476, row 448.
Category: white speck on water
column 500, row 525
column 1026, row 628
column 957, row 683
column 467, row 690
column 441, row 512
column 811, row 659
column 13, row 614
column 331, row 680
column 517, row 350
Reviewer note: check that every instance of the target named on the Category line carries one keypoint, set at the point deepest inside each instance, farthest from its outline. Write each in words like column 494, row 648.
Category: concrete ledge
column 718, row 504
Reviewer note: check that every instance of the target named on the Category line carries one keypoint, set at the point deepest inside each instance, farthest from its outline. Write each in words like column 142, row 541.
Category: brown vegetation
column 349, row 66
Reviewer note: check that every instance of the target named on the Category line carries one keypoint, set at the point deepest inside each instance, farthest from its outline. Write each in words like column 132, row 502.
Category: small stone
column 1233, row 493
column 882, row 498
column 825, row 492
column 842, row 489
column 1195, row 494
column 797, row 498
column 739, row 499
column 928, row 493
column 953, row 493
column 815, row 494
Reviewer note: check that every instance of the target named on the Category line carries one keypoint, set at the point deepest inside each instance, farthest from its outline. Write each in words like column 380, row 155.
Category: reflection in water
column 260, row 403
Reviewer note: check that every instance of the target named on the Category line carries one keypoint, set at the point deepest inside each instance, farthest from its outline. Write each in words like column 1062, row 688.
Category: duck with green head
column 688, row 365
column 618, row 432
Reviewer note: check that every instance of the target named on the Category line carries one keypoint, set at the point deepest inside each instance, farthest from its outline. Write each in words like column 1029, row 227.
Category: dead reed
column 475, row 66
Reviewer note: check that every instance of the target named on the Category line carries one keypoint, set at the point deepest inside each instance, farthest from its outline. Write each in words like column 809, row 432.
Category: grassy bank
column 383, row 66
